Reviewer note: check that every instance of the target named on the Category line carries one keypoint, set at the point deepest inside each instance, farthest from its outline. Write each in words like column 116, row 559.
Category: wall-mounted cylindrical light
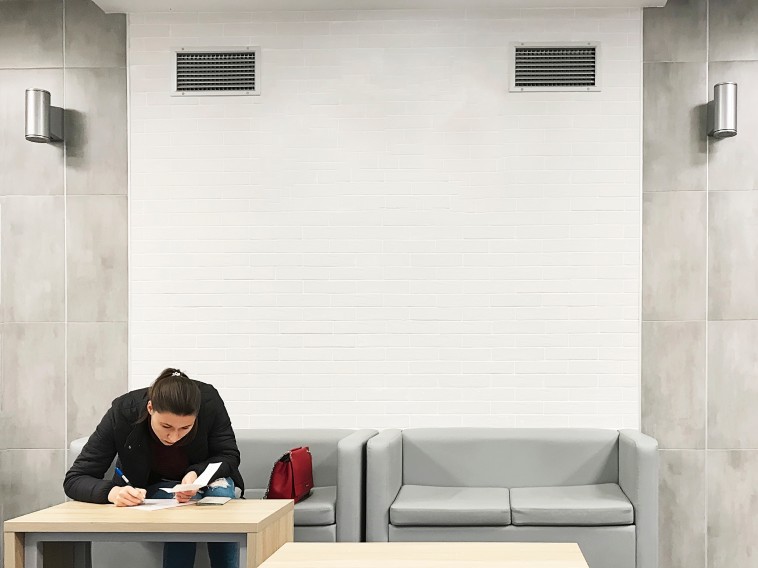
column 723, row 115
column 43, row 122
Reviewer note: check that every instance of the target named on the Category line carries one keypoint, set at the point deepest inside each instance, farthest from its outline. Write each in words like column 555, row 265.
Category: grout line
column 641, row 209
column 128, row 201
column 65, row 258
column 707, row 270
column 2, row 321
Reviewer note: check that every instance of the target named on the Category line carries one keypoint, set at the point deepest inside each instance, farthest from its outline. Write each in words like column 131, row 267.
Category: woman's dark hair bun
column 174, row 392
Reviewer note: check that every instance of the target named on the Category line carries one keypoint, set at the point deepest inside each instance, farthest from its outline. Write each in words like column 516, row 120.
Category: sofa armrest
column 74, row 449
column 384, row 477
column 351, row 477
column 638, row 478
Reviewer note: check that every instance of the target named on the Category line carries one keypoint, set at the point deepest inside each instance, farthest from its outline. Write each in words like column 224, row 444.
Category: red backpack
column 292, row 476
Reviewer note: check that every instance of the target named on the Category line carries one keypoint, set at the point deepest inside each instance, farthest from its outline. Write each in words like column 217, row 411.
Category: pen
column 121, row 474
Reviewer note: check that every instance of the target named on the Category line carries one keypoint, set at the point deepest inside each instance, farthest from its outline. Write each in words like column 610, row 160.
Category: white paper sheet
column 158, row 504
column 200, row 482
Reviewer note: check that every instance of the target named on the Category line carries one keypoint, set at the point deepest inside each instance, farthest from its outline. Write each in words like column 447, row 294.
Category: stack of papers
column 199, row 483
column 158, row 504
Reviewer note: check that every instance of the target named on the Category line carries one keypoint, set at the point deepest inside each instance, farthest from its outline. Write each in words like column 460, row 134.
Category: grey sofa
column 334, row 512
column 596, row 487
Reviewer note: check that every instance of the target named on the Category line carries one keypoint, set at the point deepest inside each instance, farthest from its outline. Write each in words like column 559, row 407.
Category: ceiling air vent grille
column 564, row 67
column 216, row 71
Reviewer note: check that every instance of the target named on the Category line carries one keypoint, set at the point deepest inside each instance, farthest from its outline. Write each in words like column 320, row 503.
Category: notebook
column 213, row 500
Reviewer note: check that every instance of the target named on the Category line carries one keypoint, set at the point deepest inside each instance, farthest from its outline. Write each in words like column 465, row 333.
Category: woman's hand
column 185, row 496
column 127, row 496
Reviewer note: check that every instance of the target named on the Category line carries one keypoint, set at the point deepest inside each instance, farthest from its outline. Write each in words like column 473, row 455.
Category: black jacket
column 120, row 433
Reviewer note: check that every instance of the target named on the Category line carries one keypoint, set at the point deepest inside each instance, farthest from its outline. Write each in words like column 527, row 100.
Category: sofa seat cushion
column 316, row 510
column 421, row 505
column 578, row 505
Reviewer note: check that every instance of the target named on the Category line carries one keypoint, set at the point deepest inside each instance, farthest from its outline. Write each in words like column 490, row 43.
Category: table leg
column 289, row 527
column 244, row 552
column 263, row 544
column 13, row 545
column 253, row 553
column 33, row 554
column 83, row 555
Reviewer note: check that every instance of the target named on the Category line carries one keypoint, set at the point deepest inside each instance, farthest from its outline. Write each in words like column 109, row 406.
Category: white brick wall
column 387, row 237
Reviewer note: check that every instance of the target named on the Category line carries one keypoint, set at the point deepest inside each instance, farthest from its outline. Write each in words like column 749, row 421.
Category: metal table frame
column 82, row 541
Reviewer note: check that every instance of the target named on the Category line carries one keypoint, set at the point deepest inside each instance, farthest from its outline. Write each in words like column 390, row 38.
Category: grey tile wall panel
column 733, row 255
column 732, row 384
column 31, row 34
column 33, row 386
column 673, row 383
column 28, row 168
column 674, row 256
column 32, row 256
column 96, row 139
column 677, row 32
column 97, row 372
column 96, row 258
column 34, row 480
column 674, row 127
column 732, row 508
column 93, row 38
column 733, row 26
column 732, row 163
column 682, row 500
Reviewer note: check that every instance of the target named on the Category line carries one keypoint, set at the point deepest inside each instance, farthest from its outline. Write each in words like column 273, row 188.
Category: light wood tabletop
column 427, row 555
column 261, row 526
column 238, row 515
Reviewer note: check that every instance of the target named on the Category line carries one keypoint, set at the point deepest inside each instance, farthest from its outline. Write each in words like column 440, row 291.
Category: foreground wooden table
column 427, row 555
column 259, row 526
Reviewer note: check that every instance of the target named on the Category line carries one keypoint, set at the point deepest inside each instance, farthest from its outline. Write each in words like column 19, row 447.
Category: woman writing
column 162, row 435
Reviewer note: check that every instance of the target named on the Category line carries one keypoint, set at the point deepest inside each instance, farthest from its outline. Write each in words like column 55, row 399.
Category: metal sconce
column 44, row 123
column 722, row 111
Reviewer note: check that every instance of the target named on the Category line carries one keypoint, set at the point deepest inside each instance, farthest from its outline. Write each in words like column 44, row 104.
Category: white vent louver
column 555, row 67
column 210, row 71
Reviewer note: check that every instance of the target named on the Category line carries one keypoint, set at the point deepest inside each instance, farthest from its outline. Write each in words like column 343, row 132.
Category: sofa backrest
column 509, row 457
column 260, row 448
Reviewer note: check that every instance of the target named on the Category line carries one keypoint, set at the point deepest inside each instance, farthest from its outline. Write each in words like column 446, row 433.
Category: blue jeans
column 182, row 554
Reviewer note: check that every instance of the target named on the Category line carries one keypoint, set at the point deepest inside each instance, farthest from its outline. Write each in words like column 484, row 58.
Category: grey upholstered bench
column 596, row 487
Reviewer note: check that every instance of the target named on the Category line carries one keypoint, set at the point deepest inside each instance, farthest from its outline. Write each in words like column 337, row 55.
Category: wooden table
column 259, row 526
column 427, row 555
